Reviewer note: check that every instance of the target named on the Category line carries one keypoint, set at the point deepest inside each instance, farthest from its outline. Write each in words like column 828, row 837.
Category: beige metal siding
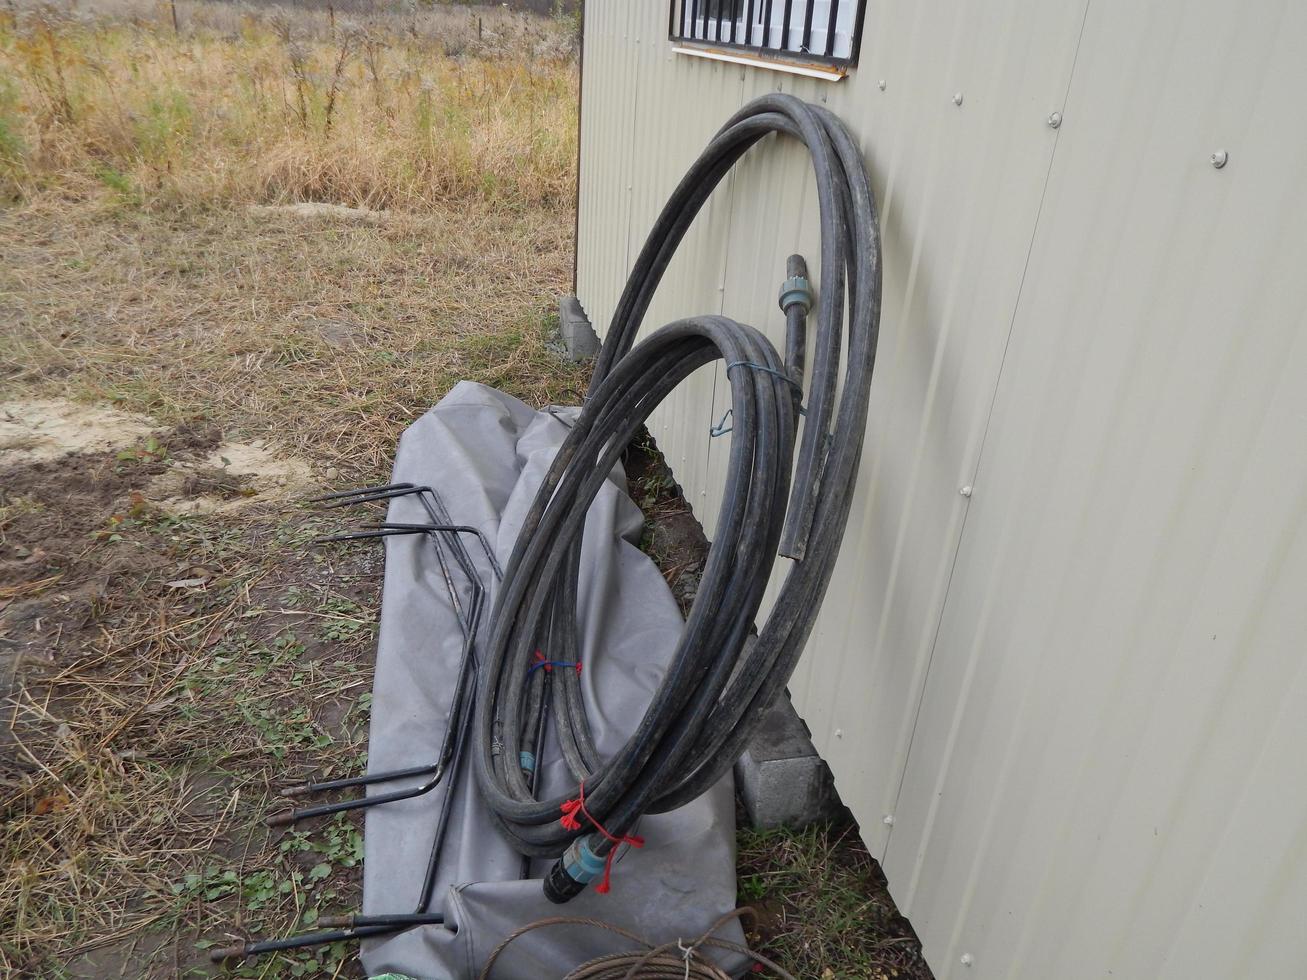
column 1110, row 751
column 1078, row 692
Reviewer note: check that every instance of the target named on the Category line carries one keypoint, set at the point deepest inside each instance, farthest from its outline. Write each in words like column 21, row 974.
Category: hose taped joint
column 796, row 290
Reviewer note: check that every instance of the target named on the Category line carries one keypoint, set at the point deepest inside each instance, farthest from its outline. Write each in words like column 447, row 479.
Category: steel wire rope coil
column 675, row 960
column 721, row 677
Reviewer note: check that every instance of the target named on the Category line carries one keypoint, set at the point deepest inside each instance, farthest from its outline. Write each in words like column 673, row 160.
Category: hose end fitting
column 280, row 819
column 224, row 953
column 796, row 290
column 570, row 874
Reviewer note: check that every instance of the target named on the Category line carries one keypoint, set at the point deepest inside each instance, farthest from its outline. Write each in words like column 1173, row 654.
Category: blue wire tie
column 721, row 428
column 768, row 370
column 549, row 664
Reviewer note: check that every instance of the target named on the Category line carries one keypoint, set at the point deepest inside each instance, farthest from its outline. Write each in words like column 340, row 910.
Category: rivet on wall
column 881, row 84
column 1220, row 158
column 957, row 98
column 1054, row 120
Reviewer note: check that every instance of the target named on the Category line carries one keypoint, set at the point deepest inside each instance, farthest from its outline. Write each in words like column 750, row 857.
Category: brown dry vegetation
column 161, row 676
column 285, row 104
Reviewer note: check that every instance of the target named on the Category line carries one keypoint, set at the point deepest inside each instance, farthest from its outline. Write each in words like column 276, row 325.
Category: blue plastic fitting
column 581, row 863
column 572, row 872
column 798, row 290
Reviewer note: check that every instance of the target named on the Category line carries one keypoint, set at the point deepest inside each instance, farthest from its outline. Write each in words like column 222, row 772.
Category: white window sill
column 827, row 72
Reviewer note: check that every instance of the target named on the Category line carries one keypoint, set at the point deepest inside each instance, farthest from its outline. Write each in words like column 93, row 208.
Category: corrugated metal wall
column 1078, row 693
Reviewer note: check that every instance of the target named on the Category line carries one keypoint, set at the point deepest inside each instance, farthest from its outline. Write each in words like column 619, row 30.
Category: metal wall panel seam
column 970, row 483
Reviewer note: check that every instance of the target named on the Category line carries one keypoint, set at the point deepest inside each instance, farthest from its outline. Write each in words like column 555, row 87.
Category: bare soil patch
column 48, row 428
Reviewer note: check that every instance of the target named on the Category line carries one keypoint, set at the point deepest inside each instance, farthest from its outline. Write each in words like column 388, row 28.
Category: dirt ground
column 172, row 650
column 162, row 674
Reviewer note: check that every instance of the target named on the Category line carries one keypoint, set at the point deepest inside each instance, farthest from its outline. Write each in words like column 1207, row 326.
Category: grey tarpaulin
column 485, row 452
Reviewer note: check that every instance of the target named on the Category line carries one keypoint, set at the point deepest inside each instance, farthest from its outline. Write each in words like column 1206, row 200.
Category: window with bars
column 823, row 31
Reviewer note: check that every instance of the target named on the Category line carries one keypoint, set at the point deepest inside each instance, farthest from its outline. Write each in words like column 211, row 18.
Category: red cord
column 569, row 822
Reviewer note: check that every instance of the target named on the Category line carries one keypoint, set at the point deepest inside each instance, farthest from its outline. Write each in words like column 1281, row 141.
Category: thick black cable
column 721, row 677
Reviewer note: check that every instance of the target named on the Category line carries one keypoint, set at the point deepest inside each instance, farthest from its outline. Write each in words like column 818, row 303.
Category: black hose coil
column 721, row 678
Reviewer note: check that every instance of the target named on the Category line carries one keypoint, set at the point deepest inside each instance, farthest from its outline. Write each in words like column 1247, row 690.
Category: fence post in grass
column 176, row 28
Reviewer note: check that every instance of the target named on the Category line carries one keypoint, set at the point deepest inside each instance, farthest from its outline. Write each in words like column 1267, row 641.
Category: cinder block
column 578, row 335
column 781, row 779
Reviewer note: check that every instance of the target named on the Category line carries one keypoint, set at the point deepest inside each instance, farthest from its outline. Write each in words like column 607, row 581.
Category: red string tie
column 569, row 822
column 549, row 665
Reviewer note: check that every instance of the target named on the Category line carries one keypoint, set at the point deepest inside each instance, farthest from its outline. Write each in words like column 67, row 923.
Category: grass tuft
column 824, row 909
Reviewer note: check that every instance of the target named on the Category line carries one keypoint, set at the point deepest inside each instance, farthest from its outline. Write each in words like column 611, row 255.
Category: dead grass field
column 258, row 248
column 275, row 104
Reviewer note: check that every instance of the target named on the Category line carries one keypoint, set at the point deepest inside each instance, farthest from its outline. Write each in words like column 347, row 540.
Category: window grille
column 823, row 31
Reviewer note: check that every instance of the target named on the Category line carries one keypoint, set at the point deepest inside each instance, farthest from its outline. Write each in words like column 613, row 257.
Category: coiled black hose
column 722, row 677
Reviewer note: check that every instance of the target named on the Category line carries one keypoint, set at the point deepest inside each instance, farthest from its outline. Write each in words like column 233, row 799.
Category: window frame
column 683, row 11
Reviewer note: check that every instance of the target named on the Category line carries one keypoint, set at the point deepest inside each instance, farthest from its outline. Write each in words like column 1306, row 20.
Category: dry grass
column 287, row 105
column 146, row 744
column 824, row 910
column 153, row 733
column 325, row 335
column 153, row 722
column 148, row 722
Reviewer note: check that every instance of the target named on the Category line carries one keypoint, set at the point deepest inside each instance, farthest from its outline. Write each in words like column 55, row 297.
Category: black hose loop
column 722, row 675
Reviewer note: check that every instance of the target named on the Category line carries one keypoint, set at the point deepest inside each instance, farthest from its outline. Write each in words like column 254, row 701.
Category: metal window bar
column 747, row 25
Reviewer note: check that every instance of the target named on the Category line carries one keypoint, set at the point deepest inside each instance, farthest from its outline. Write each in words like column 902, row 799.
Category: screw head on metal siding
column 1054, row 119
column 881, row 85
column 967, row 959
column 1220, row 158
column 957, row 98
column 888, row 820
column 965, row 491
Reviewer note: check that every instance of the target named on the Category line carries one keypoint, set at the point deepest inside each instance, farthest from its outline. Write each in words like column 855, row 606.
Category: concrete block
column 781, row 779
column 578, row 335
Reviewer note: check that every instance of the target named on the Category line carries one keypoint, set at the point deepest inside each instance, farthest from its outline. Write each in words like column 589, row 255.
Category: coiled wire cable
column 676, row 960
column 722, row 676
